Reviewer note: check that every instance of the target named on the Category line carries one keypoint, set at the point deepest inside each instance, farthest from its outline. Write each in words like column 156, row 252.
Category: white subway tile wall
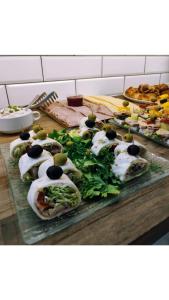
column 22, row 94
column 16, row 69
column 27, row 76
column 136, row 80
column 66, row 67
column 164, row 78
column 3, row 97
column 157, row 64
column 122, row 65
column 100, row 86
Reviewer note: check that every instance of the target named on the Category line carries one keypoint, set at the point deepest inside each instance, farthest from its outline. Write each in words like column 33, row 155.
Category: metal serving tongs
column 36, row 102
column 42, row 100
column 49, row 99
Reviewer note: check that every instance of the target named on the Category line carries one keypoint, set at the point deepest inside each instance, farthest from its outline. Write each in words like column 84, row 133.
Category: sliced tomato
column 41, row 204
column 150, row 122
column 164, row 120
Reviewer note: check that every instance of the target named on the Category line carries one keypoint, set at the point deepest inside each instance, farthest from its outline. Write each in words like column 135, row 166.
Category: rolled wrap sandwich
column 102, row 140
column 48, row 144
column 20, row 146
column 30, row 162
column 65, row 163
column 87, row 126
column 53, row 194
column 128, row 165
column 123, row 146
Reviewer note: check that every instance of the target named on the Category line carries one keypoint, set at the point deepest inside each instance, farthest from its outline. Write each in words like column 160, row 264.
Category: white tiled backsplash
column 138, row 79
column 3, row 97
column 100, row 86
column 71, row 67
column 26, row 92
column 24, row 77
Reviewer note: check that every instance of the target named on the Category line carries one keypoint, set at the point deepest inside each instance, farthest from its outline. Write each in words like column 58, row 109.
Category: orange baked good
column 147, row 92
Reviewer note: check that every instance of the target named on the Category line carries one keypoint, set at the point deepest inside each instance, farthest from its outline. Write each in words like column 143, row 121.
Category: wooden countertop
column 121, row 223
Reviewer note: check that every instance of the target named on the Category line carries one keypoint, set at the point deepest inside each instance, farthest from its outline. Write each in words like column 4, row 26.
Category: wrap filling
column 55, row 199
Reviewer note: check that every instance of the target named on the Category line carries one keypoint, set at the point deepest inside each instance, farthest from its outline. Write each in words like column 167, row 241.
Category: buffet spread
column 66, row 175
column 148, row 120
column 66, row 166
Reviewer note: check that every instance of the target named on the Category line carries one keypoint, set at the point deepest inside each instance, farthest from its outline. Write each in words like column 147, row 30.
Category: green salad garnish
column 97, row 180
column 65, row 195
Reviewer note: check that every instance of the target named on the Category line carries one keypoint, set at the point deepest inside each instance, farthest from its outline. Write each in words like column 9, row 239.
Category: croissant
column 143, row 88
column 131, row 91
column 163, row 87
column 148, row 92
column 152, row 97
column 137, row 96
column 142, row 97
column 165, row 92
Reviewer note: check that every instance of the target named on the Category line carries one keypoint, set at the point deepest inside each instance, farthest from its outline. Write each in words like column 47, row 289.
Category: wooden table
column 140, row 219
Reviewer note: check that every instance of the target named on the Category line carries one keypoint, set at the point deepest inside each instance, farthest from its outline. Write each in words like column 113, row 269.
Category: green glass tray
column 33, row 229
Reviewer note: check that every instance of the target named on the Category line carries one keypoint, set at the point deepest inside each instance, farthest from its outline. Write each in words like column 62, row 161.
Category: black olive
column 163, row 101
column 35, row 151
column 54, row 172
column 24, row 136
column 122, row 117
column 133, row 149
column 111, row 134
column 90, row 123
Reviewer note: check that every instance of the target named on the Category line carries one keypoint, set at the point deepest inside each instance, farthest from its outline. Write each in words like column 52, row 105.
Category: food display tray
column 137, row 101
column 34, row 229
column 151, row 138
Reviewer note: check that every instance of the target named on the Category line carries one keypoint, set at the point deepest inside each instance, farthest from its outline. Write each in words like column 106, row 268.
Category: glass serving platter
column 34, row 229
column 151, row 138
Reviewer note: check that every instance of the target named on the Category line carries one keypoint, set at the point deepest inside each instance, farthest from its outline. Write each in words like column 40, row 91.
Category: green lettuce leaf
column 98, row 180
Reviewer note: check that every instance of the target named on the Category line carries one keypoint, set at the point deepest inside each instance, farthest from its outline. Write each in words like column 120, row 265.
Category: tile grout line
column 75, row 88
column 145, row 64
column 42, row 68
column 102, row 66
column 124, row 83
column 160, row 78
column 73, row 79
column 7, row 93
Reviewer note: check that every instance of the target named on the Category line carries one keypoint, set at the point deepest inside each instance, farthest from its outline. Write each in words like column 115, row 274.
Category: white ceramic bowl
column 18, row 121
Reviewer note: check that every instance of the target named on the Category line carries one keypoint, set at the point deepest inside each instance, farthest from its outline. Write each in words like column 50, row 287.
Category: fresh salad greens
column 156, row 168
column 63, row 195
column 61, row 136
column 98, row 179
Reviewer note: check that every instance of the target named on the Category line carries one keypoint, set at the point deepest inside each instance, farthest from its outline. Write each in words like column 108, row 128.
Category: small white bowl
column 18, row 121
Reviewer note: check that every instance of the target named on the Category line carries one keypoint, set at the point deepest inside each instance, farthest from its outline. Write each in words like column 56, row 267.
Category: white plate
column 138, row 101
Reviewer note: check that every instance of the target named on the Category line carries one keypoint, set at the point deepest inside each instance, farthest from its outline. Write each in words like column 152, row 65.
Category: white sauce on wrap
column 26, row 162
column 46, row 142
column 122, row 148
column 100, row 141
column 68, row 166
column 123, row 162
column 16, row 143
column 83, row 128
